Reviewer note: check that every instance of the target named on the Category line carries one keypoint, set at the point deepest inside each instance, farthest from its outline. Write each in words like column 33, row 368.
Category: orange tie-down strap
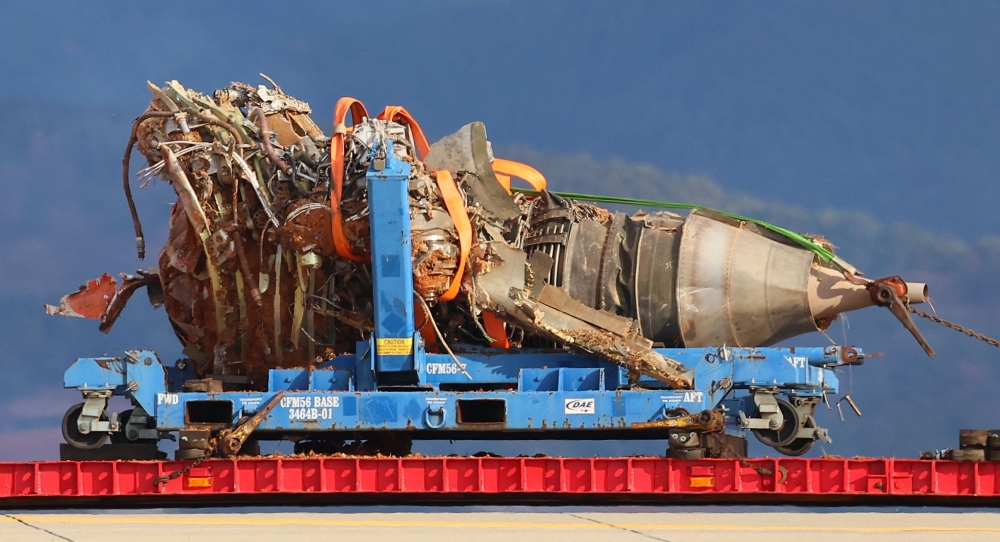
column 423, row 325
column 456, row 209
column 455, row 205
column 505, row 169
column 357, row 110
column 496, row 329
column 399, row 114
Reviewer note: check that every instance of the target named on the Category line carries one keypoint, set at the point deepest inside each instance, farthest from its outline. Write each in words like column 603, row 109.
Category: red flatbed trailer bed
column 497, row 480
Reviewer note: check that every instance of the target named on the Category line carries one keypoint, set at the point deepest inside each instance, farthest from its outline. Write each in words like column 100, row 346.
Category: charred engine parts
column 261, row 271
column 271, row 264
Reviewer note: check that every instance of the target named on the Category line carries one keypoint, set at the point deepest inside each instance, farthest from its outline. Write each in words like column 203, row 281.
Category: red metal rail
column 500, row 480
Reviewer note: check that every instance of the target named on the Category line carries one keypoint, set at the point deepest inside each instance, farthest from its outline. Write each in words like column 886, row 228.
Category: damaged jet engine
column 267, row 260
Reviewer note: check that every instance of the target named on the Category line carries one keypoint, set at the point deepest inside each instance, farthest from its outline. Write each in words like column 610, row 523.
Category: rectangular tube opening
column 482, row 411
column 208, row 412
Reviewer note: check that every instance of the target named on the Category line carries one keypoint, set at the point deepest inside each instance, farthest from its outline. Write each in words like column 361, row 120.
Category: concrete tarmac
column 550, row 525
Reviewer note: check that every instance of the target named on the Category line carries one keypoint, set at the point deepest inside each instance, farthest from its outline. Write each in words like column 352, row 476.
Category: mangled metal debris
column 267, row 261
column 102, row 299
column 90, row 301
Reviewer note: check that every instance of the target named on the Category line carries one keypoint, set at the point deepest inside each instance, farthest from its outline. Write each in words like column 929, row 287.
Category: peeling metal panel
column 90, row 301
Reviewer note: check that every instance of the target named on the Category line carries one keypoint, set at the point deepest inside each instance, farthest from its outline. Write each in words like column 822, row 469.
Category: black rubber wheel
column 686, row 453
column 784, row 435
column 184, row 454
column 72, row 434
column 798, row 447
column 119, row 437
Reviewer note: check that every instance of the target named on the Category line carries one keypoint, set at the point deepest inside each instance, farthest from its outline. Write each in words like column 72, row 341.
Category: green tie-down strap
column 824, row 253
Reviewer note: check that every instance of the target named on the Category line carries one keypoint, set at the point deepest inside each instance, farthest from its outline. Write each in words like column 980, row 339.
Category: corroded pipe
column 257, row 115
column 140, row 239
column 916, row 292
column 196, row 217
column 830, row 294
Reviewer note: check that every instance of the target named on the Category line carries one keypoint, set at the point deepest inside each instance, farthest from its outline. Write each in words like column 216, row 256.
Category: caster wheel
column 798, row 447
column 74, row 437
column 186, row 454
column 119, row 437
column 784, row 435
column 686, row 453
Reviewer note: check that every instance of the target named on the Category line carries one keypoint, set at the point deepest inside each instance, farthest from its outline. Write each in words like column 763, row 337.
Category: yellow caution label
column 394, row 347
column 701, row 481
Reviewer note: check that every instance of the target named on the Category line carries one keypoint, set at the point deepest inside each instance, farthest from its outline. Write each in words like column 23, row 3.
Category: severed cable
column 427, row 312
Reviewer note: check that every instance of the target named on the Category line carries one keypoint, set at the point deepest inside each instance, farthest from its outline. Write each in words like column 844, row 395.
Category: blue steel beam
column 139, row 375
column 551, row 391
column 392, row 269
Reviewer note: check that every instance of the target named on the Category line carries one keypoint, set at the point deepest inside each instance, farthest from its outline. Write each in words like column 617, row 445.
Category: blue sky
column 884, row 112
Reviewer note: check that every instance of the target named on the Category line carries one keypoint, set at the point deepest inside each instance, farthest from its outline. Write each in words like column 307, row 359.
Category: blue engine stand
column 391, row 384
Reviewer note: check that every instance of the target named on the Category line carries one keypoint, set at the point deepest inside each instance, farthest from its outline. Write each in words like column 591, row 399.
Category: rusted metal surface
column 237, row 267
column 886, row 292
column 102, row 299
column 90, row 301
column 130, row 284
column 231, row 440
column 707, row 420
column 849, row 356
